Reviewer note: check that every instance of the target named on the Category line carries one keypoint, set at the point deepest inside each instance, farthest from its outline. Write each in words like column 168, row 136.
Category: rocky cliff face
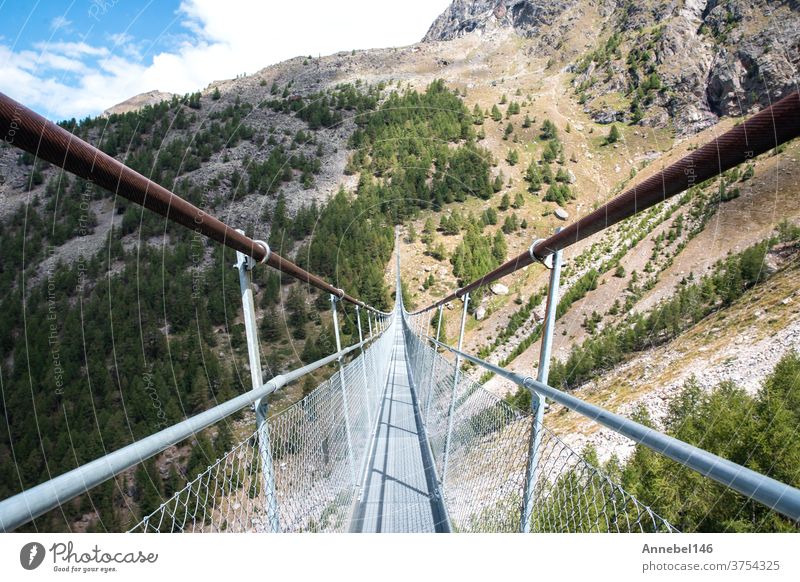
column 683, row 63
column 526, row 17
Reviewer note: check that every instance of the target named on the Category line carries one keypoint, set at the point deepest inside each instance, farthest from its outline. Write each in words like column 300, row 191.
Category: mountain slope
column 321, row 157
column 683, row 64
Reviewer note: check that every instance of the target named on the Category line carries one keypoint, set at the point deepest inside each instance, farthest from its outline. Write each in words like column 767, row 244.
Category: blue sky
column 77, row 58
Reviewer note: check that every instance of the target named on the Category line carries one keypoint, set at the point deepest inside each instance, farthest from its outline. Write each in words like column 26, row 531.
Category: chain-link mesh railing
column 317, row 473
column 488, row 454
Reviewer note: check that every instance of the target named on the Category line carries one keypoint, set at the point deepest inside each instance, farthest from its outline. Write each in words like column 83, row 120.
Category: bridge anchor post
column 453, row 393
column 245, row 264
column 537, row 400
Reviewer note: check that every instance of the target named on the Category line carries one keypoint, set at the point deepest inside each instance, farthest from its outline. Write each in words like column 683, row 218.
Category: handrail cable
column 772, row 493
column 33, row 502
column 27, row 130
column 765, row 130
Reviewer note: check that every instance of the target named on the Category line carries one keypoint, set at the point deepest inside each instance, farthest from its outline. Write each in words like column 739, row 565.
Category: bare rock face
column 710, row 58
column 724, row 59
column 754, row 70
column 526, row 17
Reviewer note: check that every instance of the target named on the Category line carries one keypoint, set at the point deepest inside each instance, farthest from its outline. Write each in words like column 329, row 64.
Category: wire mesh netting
column 488, row 455
column 318, row 447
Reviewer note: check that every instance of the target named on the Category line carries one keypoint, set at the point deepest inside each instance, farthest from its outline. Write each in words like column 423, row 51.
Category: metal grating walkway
column 398, row 481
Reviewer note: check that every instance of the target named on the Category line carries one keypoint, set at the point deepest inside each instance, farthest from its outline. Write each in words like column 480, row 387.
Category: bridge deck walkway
column 397, row 488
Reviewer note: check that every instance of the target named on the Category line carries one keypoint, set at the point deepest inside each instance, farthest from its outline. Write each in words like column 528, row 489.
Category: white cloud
column 228, row 38
column 73, row 50
column 59, row 22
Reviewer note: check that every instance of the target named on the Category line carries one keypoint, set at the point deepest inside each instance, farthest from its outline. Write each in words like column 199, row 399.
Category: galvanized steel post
column 537, row 400
column 453, row 394
column 345, row 406
column 244, row 265
column 364, row 366
column 432, row 375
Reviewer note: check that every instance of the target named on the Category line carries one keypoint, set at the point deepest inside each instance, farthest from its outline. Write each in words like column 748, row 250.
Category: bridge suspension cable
column 31, row 132
column 763, row 131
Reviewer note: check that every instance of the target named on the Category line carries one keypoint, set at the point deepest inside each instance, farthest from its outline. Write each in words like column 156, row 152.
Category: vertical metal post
column 345, row 406
column 538, row 401
column 364, row 367
column 372, row 354
column 432, row 375
column 244, row 265
column 453, row 394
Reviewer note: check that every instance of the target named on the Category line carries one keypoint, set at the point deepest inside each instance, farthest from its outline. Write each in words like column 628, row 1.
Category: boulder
column 561, row 213
column 499, row 289
column 480, row 313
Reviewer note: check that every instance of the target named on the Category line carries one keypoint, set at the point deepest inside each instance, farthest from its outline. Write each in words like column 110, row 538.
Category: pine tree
column 499, row 248
column 613, row 134
column 505, row 202
column 499, row 180
column 547, row 174
column 511, row 224
column 513, row 157
column 477, row 115
column 533, row 177
column 548, row 130
column 269, row 327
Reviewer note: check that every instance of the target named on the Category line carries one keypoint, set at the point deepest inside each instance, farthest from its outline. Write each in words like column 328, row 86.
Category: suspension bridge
column 400, row 438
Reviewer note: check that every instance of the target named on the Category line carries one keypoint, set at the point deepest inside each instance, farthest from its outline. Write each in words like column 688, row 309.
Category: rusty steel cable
column 765, row 130
column 29, row 131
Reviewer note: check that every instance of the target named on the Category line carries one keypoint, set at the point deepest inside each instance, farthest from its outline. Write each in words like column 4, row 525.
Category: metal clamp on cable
column 267, row 250
column 244, row 260
column 340, row 292
column 546, row 261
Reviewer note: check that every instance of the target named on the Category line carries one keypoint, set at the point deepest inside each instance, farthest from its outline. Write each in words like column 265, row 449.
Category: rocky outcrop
column 752, row 70
column 712, row 58
column 138, row 102
column 526, row 17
